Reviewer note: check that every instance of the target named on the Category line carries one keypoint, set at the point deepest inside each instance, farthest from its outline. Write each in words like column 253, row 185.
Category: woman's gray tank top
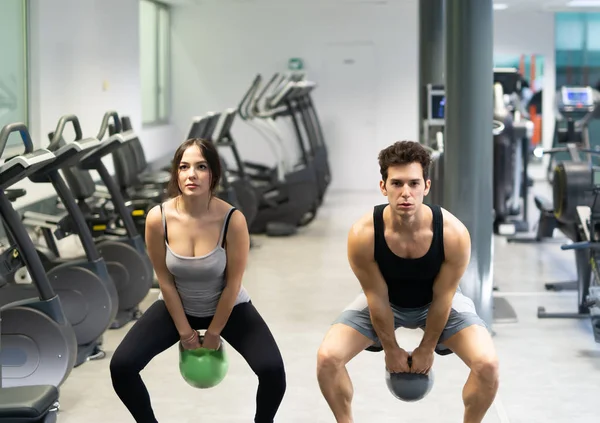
column 200, row 280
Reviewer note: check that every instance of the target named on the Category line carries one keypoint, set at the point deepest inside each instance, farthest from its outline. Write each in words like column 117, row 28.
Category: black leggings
column 155, row 332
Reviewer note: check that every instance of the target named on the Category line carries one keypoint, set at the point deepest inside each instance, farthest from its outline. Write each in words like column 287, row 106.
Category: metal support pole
column 468, row 163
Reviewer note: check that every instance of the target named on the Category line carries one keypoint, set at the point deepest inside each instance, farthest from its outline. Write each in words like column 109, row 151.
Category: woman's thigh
column 152, row 334
column 248, row 333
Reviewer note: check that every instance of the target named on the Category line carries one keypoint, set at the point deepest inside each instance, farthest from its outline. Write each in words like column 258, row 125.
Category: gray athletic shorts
column 463, row 314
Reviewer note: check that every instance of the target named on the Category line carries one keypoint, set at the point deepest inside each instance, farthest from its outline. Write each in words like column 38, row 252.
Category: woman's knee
column 122, row 364
column 118, row 366
column 273, row 371
column 274, row 367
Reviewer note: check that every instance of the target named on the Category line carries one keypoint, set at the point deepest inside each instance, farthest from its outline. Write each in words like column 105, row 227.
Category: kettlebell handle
column 201, row 337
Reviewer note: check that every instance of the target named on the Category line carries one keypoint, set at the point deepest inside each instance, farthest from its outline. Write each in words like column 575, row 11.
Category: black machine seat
column 543, row 204
column 15, row 193
column 131, row 167
column 26, row 403
column 80, row 181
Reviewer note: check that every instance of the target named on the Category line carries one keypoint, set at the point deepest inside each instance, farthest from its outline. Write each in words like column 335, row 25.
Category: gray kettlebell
column 409, row 387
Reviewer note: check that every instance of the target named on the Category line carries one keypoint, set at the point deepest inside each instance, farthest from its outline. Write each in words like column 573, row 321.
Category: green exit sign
column 295, row 64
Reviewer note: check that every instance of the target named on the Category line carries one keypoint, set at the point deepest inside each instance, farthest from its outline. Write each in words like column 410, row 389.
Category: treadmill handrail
column 256, row 109
column 242, row 108
column 23, row 131
column 281, row 95
column 266, row 87
column 589, row 116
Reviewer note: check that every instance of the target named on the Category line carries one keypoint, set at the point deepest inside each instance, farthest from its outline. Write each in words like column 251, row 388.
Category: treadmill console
column 436, row 104
column 577, row 98
column 437, row 107
column 596, row 177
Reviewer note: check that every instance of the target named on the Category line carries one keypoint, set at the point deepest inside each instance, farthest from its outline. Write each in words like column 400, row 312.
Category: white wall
column 531, row 33
column 84, row 60
column 363, row 57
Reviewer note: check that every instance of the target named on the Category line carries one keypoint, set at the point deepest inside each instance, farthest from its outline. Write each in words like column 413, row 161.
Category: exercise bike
column 84, row 285
column 589, row 247
column 575, row 108
column 573, row 190
column 122, row 248
column 38, row 343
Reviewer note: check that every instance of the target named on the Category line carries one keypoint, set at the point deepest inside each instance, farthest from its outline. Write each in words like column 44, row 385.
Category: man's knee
column 486, row 368
column 329, row 359
column 341, row 344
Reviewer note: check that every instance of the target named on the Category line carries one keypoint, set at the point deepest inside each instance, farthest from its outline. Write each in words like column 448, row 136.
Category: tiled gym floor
column 550, row 369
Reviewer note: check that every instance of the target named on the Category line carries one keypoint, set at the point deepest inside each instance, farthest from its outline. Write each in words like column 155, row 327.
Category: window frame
column 12, row 150
column 166, row 120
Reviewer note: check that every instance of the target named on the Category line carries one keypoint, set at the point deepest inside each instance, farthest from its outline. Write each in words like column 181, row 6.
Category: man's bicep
column 447, row 280
column 370, row 280
column 366, row 271
column 361, row 246
column 454, row 267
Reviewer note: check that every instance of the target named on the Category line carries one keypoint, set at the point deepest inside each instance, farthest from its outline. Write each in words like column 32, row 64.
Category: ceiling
column 501, row 5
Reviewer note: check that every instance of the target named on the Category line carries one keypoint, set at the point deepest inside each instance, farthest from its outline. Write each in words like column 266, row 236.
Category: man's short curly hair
column 403, row 153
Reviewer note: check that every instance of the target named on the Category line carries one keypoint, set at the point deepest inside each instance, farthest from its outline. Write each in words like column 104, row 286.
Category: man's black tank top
column 409, row 281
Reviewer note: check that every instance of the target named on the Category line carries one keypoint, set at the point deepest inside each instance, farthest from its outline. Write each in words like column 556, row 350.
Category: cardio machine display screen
column 438, row 106
column 596, row 177
column 576, row 97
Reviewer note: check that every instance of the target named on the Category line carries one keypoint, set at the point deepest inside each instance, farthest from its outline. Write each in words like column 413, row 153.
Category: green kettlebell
column 203, row 368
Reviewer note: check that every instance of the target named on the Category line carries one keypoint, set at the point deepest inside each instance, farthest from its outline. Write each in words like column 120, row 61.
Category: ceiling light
column 500, row 6
column 584, row 3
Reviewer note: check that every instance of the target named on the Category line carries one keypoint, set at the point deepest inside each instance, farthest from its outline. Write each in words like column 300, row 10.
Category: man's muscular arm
column 362, row 261
column 457, row 247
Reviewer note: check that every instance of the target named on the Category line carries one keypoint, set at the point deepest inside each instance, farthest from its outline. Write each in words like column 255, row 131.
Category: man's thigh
column 356, row 316
column 472, row 345
column 352, row 330
column 463, row 315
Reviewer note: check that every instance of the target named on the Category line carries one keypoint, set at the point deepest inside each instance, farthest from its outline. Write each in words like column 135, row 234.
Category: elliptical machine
column 511, row 154
column 238, row 184
column 288, row 196
column 87, row 292
column 318, row 147
column 38, row 343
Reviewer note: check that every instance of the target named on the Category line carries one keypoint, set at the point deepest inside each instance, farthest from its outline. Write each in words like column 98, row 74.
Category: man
column 409, row 259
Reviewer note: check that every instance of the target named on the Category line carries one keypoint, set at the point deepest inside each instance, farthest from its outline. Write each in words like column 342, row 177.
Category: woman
column 198, row 245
